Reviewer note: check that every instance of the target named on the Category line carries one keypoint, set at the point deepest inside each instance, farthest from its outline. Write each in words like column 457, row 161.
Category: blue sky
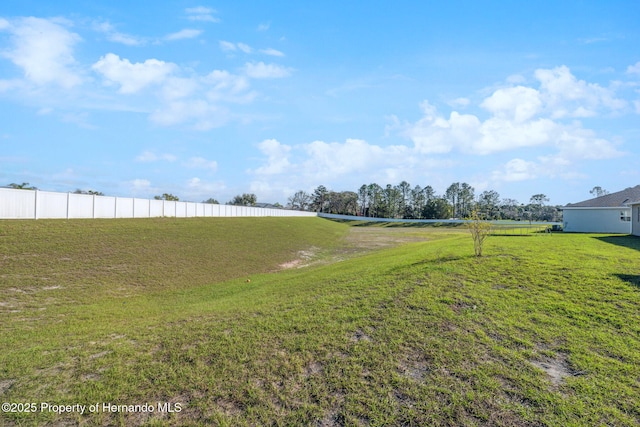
column 213, row 99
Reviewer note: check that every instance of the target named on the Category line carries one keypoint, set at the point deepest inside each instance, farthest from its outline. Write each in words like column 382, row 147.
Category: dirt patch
column 98, row 355
column 5, row 385
column 359, row 335
column 303, row 259
column 415, row 370
column 371, row 238
column 314, row 368
column 557, row 368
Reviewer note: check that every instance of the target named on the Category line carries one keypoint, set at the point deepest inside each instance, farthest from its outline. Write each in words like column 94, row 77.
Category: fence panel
column 124, row 207
column 156, row 208
column 18, row 204
column 141, row 208
column 105, row 207
column 52, row 205
column 80, row 205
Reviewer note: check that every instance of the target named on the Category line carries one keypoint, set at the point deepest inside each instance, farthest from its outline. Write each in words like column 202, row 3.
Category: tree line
column 407, row 202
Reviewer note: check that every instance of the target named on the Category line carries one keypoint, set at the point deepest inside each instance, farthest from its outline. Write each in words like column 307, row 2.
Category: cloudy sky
column 213, row 99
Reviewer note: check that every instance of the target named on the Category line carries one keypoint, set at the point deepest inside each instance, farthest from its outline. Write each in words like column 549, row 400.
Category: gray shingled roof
column 613, row 200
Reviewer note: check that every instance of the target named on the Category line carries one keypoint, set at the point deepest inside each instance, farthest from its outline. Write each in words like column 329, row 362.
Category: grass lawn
column 304, row 321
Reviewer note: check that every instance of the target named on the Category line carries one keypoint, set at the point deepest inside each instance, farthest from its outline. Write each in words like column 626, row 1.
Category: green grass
column 387, row 326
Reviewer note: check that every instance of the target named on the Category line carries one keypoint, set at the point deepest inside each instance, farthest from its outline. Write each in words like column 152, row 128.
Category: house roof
column 613, row 200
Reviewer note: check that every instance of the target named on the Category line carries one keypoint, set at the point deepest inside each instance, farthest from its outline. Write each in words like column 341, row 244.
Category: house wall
column 596, row 220
column 635, row 219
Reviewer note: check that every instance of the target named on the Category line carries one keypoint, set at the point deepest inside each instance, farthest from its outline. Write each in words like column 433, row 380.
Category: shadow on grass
column 628, row 241
column 441, row 258
column 632, row 279
column 395, row 224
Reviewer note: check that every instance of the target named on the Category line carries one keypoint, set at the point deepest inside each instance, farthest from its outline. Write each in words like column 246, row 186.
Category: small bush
column 480, row 230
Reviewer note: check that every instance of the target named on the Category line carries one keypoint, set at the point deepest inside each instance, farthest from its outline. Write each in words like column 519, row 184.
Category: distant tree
column 466, row 199
column 301, row 200
column 319, row 198
column 343, row 202
column 363, row 199
column 245, row 199
column 23, row 186
column 452, row 194
column 404, row 190
column 90, row 192
column 211, row 201
column 167, row 196
column 598, row 191
column 536, row 207
column 392, row 201
column 538, row 199
column 437, row 208
column 375, row 204
column 488, row 202
column 509, row 209
column 461, row 198
column 418, row 201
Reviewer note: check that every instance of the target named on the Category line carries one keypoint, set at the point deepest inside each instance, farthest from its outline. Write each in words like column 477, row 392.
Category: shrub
column 480, row 230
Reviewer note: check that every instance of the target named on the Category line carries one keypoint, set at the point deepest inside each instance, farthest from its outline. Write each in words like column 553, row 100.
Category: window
column 625, row 216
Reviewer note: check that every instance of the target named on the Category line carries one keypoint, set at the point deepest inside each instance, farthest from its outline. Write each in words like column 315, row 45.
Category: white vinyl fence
column 35, row 204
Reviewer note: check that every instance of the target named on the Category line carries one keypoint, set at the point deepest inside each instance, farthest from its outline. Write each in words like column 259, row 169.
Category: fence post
column 35, row 207
column 68, row 202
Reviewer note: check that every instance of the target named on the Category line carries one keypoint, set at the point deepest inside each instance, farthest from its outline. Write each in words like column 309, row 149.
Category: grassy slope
column 420, row 334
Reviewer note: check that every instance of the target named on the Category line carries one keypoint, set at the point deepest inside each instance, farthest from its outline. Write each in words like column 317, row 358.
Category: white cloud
column 187, row 33
column 133, row 77
column 225, row 86
column 44, row 50
column 634, row 69
column 327, row 161
column 272, row 52
column 200, row 113
column 226, row 46
column 460, row 102
column 138, row 185
column 244, row 47
column 435, row 134
column 150, row 156
column 515, row 103
column 521, row 117
column 499, row 134
column 277, row 157
column 198, row 189
column 260, row 70
column 201, row 13
column 263, row 27
column 566, row 96
column 579, row 143
column 179, row 87
column 201, row 163
column 516, row 170
column 115, row 36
